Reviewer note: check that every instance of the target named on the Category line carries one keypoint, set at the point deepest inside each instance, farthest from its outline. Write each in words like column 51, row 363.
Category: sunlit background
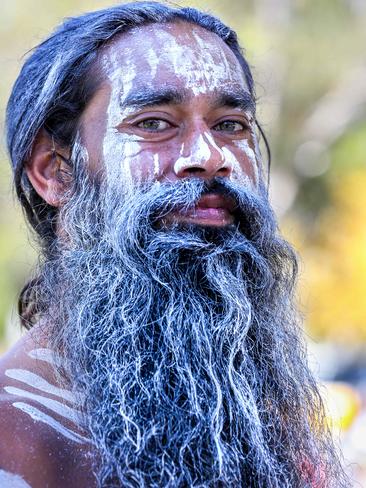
column 309, row 62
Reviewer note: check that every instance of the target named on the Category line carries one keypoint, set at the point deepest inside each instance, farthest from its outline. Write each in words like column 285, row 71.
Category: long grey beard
column 183, row 344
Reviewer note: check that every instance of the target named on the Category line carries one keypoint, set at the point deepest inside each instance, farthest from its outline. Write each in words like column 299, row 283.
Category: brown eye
column 154, row 125
column 230, row 126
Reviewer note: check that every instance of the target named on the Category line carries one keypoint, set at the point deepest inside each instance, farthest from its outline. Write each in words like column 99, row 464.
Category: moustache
column 251, row 211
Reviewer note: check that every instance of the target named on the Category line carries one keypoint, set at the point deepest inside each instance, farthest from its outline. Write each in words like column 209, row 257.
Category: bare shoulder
column 41, row 440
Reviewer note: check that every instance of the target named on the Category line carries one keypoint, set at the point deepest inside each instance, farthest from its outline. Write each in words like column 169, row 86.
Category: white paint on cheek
column 156, row 165
column 40, row 416
column 244, row 146
column 237, row 172
column 130, row 151
column 118, row 149
column 257, row 153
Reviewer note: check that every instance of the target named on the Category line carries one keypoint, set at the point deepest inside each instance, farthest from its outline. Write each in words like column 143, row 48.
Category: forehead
column 180, row 54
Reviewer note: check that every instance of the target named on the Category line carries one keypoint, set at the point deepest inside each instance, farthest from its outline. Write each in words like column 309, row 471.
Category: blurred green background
column 309, row 62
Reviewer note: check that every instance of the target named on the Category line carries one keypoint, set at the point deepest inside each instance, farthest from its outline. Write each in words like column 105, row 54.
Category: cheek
column 132, row 164
column 244, row 162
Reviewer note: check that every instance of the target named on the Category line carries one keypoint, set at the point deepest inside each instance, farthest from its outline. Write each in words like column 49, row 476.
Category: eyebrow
column 236, row 99
column 148, row 97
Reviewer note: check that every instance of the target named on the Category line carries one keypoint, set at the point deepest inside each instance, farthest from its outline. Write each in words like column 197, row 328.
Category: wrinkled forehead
column 180, row 54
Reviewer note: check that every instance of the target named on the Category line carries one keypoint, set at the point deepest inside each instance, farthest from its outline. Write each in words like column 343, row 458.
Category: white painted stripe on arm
column 57, row 407
column 51, row 422
column 10, row 480
column 37, row 382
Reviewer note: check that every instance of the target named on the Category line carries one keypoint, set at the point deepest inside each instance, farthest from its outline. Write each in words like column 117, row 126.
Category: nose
column 201, row 157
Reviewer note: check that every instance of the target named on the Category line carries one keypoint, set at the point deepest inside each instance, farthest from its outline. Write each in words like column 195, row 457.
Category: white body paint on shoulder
column 37, row 382
column 40, row 416
column 10, row 480
column 42, row 354
column 53, row 405
column 41, row 395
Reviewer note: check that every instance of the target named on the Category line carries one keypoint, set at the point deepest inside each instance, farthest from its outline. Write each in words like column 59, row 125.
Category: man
column 163, row 348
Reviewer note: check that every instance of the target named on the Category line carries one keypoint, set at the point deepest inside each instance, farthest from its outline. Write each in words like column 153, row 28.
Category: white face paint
column 230, row 161
column 199, row 153
column 201, row 67
column 156, row 165
column 254, row 159
column 187, row 60
column 117, row 150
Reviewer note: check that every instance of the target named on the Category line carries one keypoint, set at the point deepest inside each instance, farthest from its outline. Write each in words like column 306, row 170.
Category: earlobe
column 46, row 169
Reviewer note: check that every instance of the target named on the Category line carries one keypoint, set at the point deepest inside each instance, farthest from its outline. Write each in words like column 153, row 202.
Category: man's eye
column 154, row 125
column 230, row 126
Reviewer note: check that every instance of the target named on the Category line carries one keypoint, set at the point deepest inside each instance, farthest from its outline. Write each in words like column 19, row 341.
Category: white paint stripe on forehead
column 10, row 480
column 56, row 407
column 42, row 354
column 39, row 383
column 39, row 416
column 153, row 61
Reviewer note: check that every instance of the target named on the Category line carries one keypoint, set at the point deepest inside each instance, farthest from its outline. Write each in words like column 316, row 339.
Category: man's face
column 174, row 104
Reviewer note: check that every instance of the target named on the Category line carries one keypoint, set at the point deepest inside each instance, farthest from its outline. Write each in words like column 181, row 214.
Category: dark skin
column 201, row 132
column 30, row 448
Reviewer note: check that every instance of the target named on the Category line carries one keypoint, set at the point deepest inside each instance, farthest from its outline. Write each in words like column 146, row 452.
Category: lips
column 216, row 201
column 212, row 210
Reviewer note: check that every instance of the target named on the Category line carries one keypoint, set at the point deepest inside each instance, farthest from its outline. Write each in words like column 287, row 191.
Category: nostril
column 224, row 171
column 194, row 170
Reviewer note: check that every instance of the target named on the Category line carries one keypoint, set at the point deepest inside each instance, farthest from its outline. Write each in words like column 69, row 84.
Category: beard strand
column 183, row 342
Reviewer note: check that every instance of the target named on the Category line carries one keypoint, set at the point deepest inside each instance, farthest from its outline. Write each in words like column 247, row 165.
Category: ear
column 47, row 170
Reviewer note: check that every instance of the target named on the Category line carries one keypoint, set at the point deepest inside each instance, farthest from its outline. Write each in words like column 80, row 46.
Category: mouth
column 211, row 210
